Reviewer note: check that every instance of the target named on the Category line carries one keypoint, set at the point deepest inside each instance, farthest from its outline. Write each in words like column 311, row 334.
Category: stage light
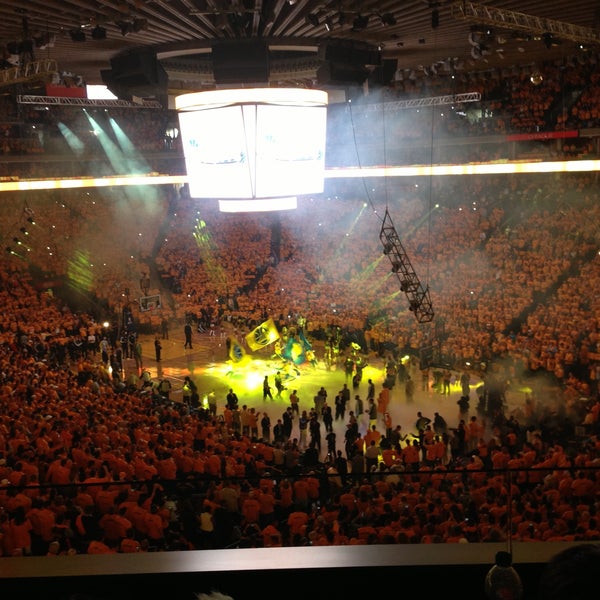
column 328, row 24
column 396, row 267
column 387, row 248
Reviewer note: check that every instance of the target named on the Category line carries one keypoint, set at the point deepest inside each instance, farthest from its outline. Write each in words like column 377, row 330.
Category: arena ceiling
column 406, row 37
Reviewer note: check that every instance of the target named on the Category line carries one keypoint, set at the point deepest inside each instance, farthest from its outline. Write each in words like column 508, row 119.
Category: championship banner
column 266, row 333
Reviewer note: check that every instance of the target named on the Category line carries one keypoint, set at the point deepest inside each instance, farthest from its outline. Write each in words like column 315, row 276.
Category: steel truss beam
column 420, row 102
column 479, row 13
column 419, row 300
column 99, row 103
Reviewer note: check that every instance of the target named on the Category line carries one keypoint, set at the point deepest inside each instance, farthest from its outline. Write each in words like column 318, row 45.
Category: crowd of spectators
column 512, row 269
column 553, row 96
column 90, row 464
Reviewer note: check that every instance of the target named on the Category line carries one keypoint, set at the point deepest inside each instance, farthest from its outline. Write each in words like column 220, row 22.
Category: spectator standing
column 278, row 384
column 265, row 427
column 212, row 403
column 358, row 405
column 340, row 406
column 327, row 417
column 303, row 427
column 157, row 348
column 439, row 424
column 295, row 402
column 232, row 399
column 267, row 389
column 314, row 428
column 187, row 332
column 137, row 355
column 287, row 418
column 164, row 387
column 330, row 438
column 421, row 425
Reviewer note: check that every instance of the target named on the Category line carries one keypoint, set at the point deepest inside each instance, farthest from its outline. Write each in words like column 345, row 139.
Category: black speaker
column 384, row 74
column 114, row 86
column 332, row 73
column 349, row 52
column 136, row 73
column 140, row 68
column 240, row 61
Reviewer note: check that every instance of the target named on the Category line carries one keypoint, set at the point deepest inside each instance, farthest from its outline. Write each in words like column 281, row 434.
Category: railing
column 432, row 505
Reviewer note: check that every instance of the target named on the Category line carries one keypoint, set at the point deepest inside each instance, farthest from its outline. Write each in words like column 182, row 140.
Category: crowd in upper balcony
column 550, row 97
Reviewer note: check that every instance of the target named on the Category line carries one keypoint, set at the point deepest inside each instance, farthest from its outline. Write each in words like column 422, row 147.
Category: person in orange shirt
column 251, row 508
column 42, row 520
column 156, row 525
column 267, row 503
column 271, row 537
column 98, row 547
column 411, row 455
column 115, row 526
column 383, row 400
column 301, row 498
column 372, row 435
column 285, row 497
column 387, row 423
column 297, row 524
column 18, row 534
column 388, row 456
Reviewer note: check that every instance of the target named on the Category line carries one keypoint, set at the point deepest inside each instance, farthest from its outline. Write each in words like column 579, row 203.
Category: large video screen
column 254, row 150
